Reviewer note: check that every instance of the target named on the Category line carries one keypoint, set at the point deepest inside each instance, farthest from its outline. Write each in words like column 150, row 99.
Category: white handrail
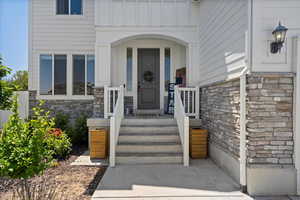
column 183, row 125
column 190, row 100
column 110, row 99
column 115, row 124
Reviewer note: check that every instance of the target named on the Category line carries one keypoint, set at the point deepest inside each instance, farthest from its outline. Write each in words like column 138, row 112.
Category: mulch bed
column 74, row 182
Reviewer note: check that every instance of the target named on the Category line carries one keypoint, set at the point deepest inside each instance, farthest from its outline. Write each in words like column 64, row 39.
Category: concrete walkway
column 203, row 180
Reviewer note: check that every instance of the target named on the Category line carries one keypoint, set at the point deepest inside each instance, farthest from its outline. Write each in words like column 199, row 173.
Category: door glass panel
column 167, row 67
column 60, row 74
column 129, row 70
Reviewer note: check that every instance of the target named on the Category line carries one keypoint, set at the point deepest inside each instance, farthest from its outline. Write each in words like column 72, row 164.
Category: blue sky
column 14, row 33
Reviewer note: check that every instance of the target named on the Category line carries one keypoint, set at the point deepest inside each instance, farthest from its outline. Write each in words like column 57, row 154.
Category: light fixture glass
column 279, row 33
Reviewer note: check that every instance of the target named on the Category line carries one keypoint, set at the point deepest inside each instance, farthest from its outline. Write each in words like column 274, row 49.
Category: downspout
column 243, row 103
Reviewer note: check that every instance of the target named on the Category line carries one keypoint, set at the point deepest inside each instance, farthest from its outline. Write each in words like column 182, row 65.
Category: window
column 167, row 68
column 46, row 74
column 83, row 74
column 60, row 74
column 53, row 75
column 68, row 7
column 90, row 74
column 129, row 70
column 78, row 75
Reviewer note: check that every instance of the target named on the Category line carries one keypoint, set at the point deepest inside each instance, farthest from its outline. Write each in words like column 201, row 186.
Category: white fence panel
column 23, row 100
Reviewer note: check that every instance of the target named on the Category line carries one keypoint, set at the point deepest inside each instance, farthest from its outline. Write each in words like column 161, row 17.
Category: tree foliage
column 19, row 81
column 6, row 90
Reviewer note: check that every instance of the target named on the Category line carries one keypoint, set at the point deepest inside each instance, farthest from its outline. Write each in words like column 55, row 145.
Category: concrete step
column 149, row 129
column 149, row 138
column 148, row 147
column 148, row 112
column 149, row 158
column 149, row 122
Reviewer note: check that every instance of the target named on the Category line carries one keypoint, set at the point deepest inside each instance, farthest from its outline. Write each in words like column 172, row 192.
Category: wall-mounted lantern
column 279, row 35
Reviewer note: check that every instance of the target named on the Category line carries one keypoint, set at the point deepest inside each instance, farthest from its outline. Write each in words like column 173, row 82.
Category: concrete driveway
column 203, row 180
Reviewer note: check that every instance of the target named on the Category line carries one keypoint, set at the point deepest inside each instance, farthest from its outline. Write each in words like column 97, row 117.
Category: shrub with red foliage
column 56, row 132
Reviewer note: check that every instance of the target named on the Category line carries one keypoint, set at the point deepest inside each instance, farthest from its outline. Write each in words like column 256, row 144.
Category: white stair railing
column 110, row 99
column 190, row 99
column 115, row 124
column 182, row 120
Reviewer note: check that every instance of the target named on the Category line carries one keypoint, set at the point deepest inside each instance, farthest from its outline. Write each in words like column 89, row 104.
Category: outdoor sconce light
column 279, row 35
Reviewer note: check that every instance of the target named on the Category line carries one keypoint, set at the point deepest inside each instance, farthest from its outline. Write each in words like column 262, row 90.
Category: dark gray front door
column 148, row 78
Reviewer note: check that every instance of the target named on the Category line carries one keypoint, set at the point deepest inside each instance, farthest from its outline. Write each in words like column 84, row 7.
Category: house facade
column 245, row 96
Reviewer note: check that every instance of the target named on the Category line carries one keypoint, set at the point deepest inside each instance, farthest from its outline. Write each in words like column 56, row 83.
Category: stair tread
column 149, row 154
column 149, row 143
column 151, row 126
column 148, row 134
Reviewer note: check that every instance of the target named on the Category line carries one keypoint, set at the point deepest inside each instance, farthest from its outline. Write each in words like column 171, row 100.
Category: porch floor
column 202, row 180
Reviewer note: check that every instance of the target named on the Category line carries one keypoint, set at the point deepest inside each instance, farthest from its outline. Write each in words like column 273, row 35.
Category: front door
column 148, row 78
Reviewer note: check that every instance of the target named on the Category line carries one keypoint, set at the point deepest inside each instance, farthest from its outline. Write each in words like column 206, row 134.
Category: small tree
column 19, row 80
column 23, row 153
column 5, row 90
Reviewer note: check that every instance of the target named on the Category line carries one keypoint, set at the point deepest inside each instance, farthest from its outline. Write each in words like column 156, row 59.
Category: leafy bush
column 80, row 133
column 59, row 142
column 23, row 153
column 62, row 121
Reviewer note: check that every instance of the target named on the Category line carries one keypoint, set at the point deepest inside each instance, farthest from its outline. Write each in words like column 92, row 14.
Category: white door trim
column 297, row 116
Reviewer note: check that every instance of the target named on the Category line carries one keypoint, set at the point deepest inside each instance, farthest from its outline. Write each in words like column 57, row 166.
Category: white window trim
column 69, row 78
column 69, row 11
column 85, row 71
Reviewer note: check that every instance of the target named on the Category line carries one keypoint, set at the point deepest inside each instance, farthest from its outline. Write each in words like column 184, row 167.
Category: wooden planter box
column 198, row 143
column 98, row 143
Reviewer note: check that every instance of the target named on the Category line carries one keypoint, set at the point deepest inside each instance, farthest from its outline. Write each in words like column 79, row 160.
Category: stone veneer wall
column 220, row 114
column 270, row 119
column 74, row 108
column 98, row 103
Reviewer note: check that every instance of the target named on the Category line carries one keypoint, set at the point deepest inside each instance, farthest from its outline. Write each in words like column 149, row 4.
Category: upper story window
column 69, row 7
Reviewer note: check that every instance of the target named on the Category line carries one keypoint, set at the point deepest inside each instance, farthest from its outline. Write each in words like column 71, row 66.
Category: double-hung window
column 53, row 74
column 69, row 7
column 83, row 74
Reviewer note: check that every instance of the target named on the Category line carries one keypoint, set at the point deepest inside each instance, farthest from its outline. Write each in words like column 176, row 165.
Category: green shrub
column 23, row 153
column 80, row 133
column 60, row 143
column 62, row 121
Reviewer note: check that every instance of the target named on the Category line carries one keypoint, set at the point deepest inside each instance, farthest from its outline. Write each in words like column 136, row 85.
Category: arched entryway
column 145, row 65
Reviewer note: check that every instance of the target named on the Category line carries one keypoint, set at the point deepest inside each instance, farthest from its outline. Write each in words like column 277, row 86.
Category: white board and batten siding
column 145, row 13
column 222, row 27
column 266, row 15
column 60, row 34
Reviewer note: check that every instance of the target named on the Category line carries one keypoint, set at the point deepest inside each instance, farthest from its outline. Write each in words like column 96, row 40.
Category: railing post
column 186, row 142
column 175, row 99
column 112, row 152
column 121, row 95
column 197, row 102
column 106, row 102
